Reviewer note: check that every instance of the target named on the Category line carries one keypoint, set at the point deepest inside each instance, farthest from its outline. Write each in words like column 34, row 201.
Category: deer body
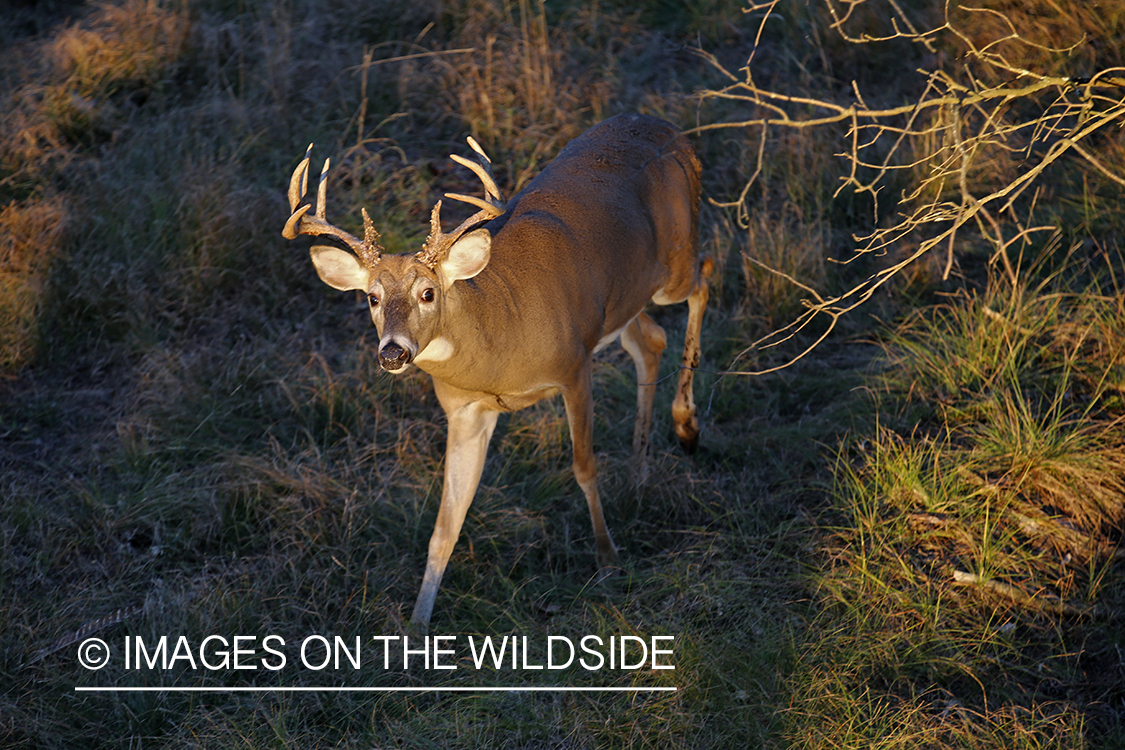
column 509, row 312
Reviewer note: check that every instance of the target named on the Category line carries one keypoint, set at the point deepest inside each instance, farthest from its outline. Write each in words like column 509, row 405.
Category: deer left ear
column 468, row 256
column 338, row 269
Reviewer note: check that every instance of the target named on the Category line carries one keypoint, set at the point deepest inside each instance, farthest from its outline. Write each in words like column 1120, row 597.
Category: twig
column 86, row 631
column 1052, row 605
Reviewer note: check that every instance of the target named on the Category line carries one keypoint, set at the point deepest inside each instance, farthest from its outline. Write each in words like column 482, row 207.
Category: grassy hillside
column 908, row 538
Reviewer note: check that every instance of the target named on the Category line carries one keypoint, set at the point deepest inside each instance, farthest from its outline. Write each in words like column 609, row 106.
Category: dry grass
column 980, row 537
column 119, row 47
column 784, row 252
column 1050, row 38
column 31, row 234
column 518, row 90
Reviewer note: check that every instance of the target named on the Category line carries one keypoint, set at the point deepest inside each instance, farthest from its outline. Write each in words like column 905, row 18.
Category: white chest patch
column 438, row 350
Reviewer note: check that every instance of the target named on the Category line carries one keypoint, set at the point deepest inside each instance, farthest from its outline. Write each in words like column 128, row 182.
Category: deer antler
column 368, row 249
column 482, row 168
column 491, row 206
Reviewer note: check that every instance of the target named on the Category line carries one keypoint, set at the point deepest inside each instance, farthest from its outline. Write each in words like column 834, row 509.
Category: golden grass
column 120, row 46
column 126, row 48
column 520, row 89
column 793, row 249
column 31, row 235
column 1050, row 37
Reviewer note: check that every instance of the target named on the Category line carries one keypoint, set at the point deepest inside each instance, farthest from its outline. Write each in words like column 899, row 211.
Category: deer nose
column 393, row 357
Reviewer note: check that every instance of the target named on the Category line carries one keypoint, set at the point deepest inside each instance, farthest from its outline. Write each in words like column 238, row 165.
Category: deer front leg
column 645, row 341
column 580, row 415
column 683, row 407
column 470, row 429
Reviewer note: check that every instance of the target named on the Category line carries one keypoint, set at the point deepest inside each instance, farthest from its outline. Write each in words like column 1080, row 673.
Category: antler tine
column 490, row 185
column 368, row 249
column 493, row 201
column 491, row 206
column 301, row 178
column 322, row 190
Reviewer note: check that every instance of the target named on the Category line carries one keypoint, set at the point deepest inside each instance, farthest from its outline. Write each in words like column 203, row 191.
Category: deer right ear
column 468, row 256
column 338, row 269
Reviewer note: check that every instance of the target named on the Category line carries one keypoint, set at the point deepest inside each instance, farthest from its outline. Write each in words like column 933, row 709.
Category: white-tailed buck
column 511, row 306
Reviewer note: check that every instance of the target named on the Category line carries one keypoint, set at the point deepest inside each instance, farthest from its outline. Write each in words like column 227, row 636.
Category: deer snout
column 394, row 357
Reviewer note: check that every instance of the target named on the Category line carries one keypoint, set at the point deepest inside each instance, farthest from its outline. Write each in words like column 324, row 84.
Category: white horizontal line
column 331, row 689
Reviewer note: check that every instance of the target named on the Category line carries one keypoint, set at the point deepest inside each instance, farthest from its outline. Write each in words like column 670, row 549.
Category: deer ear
column 468, row 256
column 338, row 269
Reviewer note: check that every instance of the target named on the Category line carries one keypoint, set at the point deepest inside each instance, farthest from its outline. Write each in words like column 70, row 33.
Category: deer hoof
column 688, row 434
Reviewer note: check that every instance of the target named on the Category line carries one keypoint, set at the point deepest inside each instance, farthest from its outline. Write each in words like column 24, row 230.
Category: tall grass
column 966, row 574
column 31, row 233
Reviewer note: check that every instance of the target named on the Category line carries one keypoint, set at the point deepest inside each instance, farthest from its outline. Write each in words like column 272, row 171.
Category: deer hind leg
column 470, row 429
column 683, row 407
column 580, row 415
column 645, row 341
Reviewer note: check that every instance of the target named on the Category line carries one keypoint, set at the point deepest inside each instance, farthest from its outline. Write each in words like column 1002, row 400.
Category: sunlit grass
column 972, row 548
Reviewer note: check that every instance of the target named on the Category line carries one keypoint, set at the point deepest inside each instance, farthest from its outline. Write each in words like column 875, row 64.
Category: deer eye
column 373, row 300
column 427, row 295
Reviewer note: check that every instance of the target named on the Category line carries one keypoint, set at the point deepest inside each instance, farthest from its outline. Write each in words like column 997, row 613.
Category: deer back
column 610, row 224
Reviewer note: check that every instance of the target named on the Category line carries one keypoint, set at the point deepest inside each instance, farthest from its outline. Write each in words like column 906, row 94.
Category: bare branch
column 946, row 140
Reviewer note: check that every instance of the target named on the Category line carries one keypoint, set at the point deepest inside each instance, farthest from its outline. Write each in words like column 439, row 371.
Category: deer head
column 407, row 293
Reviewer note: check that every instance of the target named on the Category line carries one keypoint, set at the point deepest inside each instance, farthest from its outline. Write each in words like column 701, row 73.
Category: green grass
column 975, row 540
column 908, row 539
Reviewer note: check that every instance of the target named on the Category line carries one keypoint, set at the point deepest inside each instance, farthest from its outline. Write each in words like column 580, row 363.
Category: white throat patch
column 438, row 350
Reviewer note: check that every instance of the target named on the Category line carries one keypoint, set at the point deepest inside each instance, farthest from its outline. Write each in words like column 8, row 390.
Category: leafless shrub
column 974, row 147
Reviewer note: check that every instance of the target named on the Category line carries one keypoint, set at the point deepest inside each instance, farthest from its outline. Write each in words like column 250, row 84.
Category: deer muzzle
column 394, row 357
